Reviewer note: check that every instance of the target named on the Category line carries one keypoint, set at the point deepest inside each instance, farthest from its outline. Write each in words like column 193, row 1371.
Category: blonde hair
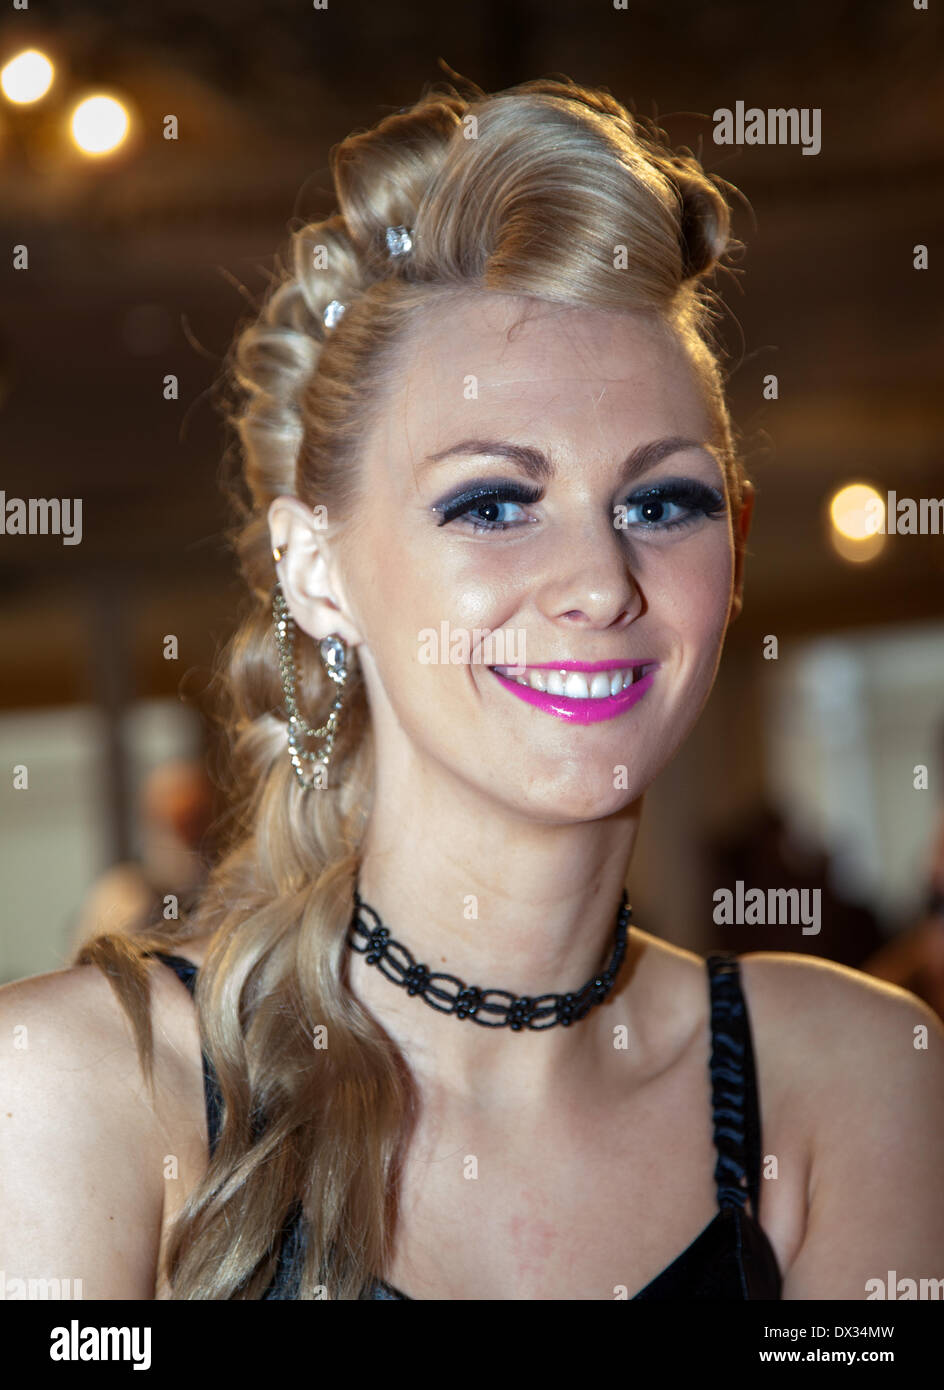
column 550, row 191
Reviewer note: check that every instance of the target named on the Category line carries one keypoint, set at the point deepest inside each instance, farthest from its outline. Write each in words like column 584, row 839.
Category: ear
column 307, row 572
column 742, row 525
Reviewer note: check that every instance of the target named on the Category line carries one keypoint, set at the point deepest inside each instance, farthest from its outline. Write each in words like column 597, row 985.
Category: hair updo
column 548, row 190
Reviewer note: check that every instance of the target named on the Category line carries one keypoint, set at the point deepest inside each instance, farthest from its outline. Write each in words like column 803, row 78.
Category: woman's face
column 581, row 557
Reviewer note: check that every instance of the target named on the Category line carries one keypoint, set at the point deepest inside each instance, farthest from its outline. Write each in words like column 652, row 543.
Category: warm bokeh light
column 857, row 511
column 27, row 77
column 99, row 124
column 857, row 517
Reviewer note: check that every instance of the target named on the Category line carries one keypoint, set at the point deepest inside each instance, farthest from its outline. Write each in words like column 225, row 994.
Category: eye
column 657, row 511
column 669, row 505
column 485, row 504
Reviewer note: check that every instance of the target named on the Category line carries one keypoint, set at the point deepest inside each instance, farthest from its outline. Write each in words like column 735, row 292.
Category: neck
column 524, row 907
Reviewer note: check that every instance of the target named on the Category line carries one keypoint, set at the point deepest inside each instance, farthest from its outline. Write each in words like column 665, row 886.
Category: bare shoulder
column 847, row 1047
column 82, row 1135
column 859, row 1065
column 796, row 1003
column 815, row 1002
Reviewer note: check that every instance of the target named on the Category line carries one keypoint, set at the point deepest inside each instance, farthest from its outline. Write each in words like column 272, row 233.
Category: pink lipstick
column 583, row 710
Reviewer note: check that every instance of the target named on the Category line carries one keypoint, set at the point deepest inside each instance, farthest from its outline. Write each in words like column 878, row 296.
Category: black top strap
column 186, row 970
column 733, row 1087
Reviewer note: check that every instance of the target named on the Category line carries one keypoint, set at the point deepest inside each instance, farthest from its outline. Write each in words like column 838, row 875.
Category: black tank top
column 731, row 1258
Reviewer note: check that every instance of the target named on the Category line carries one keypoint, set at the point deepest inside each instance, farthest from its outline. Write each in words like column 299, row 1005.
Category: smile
column 583, row 697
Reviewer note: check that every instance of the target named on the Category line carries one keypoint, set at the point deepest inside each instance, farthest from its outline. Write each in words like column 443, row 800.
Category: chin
column 559, row 801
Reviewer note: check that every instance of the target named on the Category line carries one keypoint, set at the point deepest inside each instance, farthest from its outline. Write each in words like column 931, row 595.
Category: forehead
column 554, row 373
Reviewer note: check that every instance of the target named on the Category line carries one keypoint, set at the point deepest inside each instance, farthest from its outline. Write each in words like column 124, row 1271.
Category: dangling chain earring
column 334, row 656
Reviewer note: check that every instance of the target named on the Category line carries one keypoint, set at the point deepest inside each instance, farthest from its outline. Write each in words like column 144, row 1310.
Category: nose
column 592, row 583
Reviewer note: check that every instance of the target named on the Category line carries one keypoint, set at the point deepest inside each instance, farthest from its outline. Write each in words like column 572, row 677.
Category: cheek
column 406, row 579
column 419, row 614
column 703, row 584
column 466, row 590
column 690, row 587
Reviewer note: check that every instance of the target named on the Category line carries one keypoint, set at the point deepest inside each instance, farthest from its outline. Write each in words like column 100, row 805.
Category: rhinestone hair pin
column 399, row 242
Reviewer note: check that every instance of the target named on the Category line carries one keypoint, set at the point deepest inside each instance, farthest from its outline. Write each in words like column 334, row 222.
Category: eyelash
column 698, row 498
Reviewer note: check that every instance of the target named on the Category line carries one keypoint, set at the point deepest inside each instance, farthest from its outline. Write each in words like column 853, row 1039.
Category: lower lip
column 580, row 711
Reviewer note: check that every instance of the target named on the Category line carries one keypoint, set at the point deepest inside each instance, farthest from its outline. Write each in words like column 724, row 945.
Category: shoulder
column 846, row 1034
column 860, row 1065
column 82, row 1136
column 798, row 1005
column 818, row 1001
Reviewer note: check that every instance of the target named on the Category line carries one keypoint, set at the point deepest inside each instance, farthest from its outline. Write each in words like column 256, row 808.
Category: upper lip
column 615, row 665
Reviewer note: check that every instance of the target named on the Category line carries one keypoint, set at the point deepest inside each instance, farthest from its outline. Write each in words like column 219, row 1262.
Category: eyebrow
column 538, row 466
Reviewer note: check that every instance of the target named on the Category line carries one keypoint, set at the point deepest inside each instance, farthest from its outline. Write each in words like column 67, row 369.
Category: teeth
column 577, row 685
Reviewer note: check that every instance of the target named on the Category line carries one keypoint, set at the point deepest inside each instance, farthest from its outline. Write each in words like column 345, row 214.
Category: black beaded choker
column 469, row 1001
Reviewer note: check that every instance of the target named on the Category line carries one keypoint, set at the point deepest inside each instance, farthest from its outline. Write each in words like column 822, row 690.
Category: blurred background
column 128, row 261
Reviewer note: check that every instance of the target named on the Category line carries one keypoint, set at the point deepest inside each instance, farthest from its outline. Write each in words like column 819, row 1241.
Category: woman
column 494, row 536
